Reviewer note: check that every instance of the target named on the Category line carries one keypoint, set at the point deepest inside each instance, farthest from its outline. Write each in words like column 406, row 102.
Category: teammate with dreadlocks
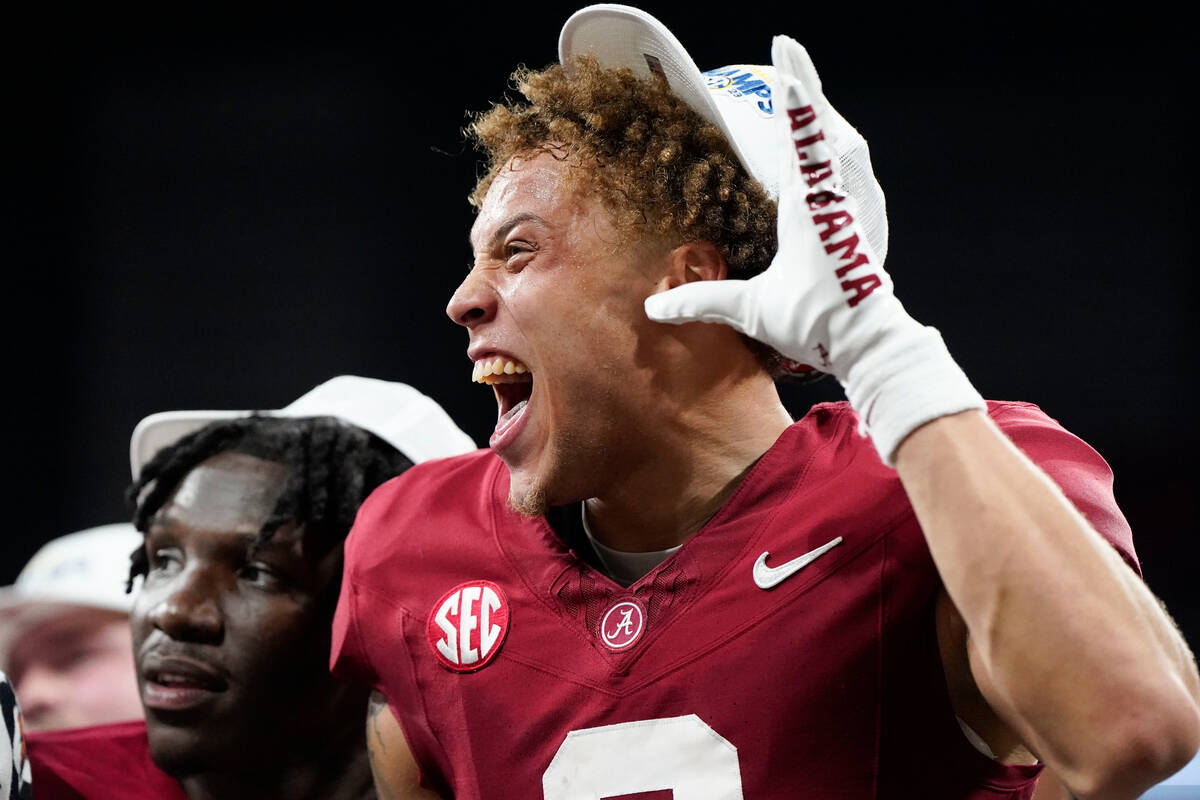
column 244, row 517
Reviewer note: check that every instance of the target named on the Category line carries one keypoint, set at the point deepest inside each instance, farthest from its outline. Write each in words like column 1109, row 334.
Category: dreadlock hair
column 657, row 166
column 332, row 467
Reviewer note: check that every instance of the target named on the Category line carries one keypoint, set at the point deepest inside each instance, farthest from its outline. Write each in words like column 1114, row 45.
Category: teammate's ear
column 694, row 261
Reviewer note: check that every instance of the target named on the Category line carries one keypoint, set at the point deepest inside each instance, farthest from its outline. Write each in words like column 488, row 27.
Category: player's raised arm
column 397, row 776
column 1067, row 645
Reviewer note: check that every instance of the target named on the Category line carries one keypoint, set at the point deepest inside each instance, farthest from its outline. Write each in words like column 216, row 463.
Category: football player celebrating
column 656, row 583
column 244, row 518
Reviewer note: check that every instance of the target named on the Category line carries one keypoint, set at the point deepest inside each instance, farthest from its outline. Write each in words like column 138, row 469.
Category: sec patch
column 468, row 626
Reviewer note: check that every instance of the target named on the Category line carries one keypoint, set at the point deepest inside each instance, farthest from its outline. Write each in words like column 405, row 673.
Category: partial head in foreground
column 602, row 188
column 64, row 631
column 244, row 521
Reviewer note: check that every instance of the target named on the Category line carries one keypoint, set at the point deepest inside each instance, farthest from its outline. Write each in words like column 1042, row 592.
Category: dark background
column 222, row 210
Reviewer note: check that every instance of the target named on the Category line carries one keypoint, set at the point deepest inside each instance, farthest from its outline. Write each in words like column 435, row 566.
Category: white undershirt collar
column 624, row 568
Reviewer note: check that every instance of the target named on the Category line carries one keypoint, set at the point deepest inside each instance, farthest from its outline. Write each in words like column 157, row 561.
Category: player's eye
column 260, row 575
column 165, row 561
column 72, row 656
column 516, row 253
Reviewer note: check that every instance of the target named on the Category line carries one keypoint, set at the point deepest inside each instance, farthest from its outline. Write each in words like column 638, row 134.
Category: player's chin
column 180, row 751
column 52, row 720
column 527, row 497
column 551, row 482
column 200, row 737
column 531, row 470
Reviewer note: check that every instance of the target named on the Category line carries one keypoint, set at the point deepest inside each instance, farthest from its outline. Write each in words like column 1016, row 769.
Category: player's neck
column 697, row 458
column 332, row 770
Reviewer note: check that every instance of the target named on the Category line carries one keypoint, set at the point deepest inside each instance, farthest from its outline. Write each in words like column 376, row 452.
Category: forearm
column 1070, row 647
column 396, row 774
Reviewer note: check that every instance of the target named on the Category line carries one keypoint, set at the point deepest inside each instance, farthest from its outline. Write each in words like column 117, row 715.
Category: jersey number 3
column 682, row 754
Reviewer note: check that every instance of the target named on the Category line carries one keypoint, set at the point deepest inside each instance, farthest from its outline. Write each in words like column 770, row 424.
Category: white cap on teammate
column 86, row 568
column 403, row 417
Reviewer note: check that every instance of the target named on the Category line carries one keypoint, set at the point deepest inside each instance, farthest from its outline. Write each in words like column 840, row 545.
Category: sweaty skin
column 649, row 423
column 232, row 645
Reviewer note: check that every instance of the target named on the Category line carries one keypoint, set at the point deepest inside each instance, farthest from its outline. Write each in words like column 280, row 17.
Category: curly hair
column 654, row 162
column 332, row 467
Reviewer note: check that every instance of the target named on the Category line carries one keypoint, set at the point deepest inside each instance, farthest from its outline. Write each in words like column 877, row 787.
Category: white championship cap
column 87, row 568
column 739, row 99
column 397, row 413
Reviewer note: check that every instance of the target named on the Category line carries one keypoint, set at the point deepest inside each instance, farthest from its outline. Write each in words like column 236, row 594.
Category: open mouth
column 174, row 685
column 512, row 382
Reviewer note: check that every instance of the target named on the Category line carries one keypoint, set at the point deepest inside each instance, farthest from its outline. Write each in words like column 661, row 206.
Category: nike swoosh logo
column 770, row 577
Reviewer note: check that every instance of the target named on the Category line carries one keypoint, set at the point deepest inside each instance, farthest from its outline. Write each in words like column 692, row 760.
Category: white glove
column 826, row 299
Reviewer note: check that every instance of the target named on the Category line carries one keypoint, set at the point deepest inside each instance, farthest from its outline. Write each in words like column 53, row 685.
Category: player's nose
column 190, row 609
column 473, row 302
column 39, row 690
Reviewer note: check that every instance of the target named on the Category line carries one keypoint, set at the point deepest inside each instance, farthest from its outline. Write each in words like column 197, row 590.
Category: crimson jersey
column 104, row 762
column 518, row 670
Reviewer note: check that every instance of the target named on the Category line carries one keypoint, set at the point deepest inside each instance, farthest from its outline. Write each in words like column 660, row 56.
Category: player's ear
column 694, row 261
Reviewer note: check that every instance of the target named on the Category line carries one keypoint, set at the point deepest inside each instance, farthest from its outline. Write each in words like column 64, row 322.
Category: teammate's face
column 232, row 646
column 555, row 299
column 73, row 669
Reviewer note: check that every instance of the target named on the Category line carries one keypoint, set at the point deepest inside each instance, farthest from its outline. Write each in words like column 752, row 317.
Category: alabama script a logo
column 622, row 625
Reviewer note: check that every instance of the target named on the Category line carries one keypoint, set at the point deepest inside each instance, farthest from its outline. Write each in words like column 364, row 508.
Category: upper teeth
column 168, row 678
column 495, row 370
